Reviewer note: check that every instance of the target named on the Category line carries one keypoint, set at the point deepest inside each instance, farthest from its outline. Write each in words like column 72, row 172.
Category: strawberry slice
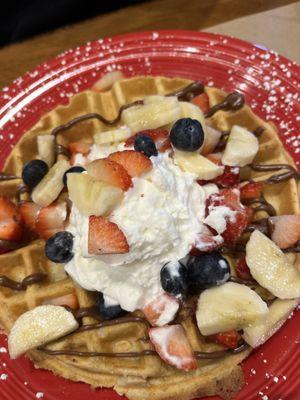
column 229, row 339
column 251, row 190
column 105, row 237
column 75, row 160
column 202, row 101
column 29, row 212
column 10, row 221
column 134, row 162
column 160, row 137
column 79, row 146
column 286, row 231
column 69, row 300
column 52, row 219
column 110, row 172
column 206, row 242
column 242, row 270
column 161, row 310
column 229, row 178
column 172, row 345
column 211, row 140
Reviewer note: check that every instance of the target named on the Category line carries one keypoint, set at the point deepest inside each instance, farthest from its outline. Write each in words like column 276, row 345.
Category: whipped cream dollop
column 161, row 216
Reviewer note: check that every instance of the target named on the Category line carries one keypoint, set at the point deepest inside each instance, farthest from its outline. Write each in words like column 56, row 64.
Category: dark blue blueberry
column 187, row 134
column 59, row 247
column 173, row 278
column 145, row 145
column 207, row 270
column 108, row 312
column 70, row 171
column 33, row 172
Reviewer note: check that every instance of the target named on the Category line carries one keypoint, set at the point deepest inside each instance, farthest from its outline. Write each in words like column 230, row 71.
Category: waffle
column 145, row 377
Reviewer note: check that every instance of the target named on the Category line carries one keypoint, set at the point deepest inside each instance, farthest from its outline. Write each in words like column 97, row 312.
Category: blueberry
column 59, row 247
column 70, row 171
column 145, row 145
column 173, row 278
column 207, row 270
column 33, row 172
column 107, row 311
column 187, row 134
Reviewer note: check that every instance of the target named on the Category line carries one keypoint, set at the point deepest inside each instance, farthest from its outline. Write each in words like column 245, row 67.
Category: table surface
column 278, row 22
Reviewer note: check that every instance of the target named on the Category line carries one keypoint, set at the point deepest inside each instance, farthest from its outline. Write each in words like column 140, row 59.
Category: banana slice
column 51, row 185
column 151, row 115
column 229, row 306
column 241, row 147
column 114, row 136
column 39, row 326
column 271, row 268
column 195, row 163
column 92, row 197
column 46, row 148
column 190, row 110
column 107, row 81
column 278, row 313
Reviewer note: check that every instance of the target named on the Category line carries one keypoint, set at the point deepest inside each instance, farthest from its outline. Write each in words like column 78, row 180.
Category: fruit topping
column 58, row 247
column 71, row 170
column 145, row 145
column 241, row 147
column 69, row 300
column 286, row 230
column 206, row 242
column 114, row 136
column 160, row 138
column 173, row 278
column 134, row 162
column 229, row 306
column 229, row 339
column 33, row 172
column 51, row 219
column 271, row 268
column 109, row 172
column 80, row 146
column 105, row 237
column 161, row 310
column 202, row 101
column 207, row 270
column 106, row 81
column 229, row 178
column 172, row 345
column 10, row 221
column 189, row 110
column 211, row 140
column 39, row 326
column 46, row 148
column 106, row 310
column 29, row 212
column 187, row 134
column 51, row 185
column 251, row 190
column 92, row 197
column 242, row 270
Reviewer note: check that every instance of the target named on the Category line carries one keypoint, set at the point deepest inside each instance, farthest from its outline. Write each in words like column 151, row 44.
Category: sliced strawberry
column 105, row 237
column 229, row 178
column 79, row 146
column 69, row 300
column 134, row 162
column 172, row 345
column 214, row 157
column 286, row 231
column 29, row 212
column 242, row 270
column 202, row 101
column 251, row 190
column 205, row 243
column 211, row 140
column 79, row 160
column 52, row 219
column 161, row 310
column 160, row 137
column 10, row 221
column 110, row 172
column 229, row 339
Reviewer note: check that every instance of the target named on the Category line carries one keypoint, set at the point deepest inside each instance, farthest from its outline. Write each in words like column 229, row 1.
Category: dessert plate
column 271, row 85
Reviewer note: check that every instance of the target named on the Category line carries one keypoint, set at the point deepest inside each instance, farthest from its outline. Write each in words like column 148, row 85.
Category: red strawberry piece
column 74, row 160
column 29, row 212
column 286, row 231
column 206, row 242
column 10, row 221
column 172, row 345
column 110, row 172
column 52, row 219
column 79, row 146
column 202, row 101
column 69, row 300
column 229, row 339
column 242, row 270
column 229, row 178
column 134, row 162
column 214, row 157
column 105, row 237
column 211, row 140
column 251, row 190
column 160, row 137
column 161, row 310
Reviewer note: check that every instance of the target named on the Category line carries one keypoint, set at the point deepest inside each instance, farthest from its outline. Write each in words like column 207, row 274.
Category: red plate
column 271, row 86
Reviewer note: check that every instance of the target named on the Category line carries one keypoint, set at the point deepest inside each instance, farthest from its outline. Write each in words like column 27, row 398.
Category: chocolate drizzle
column 264, row 225
column 29, row 280
column 262, row 205
column 61, row 150
column 7, row 177
column 291, row 172
column 188, row 92
column 21, row 190
column 233, row 102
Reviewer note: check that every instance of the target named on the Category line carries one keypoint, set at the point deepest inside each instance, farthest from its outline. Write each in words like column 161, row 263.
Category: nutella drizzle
column 233, row 102
column 29, row 280
column 188, row 92
column 8, row 177
column 263, row 205
column 281, row 177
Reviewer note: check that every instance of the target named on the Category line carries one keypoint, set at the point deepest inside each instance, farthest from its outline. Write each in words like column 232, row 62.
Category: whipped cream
column 160, row 216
